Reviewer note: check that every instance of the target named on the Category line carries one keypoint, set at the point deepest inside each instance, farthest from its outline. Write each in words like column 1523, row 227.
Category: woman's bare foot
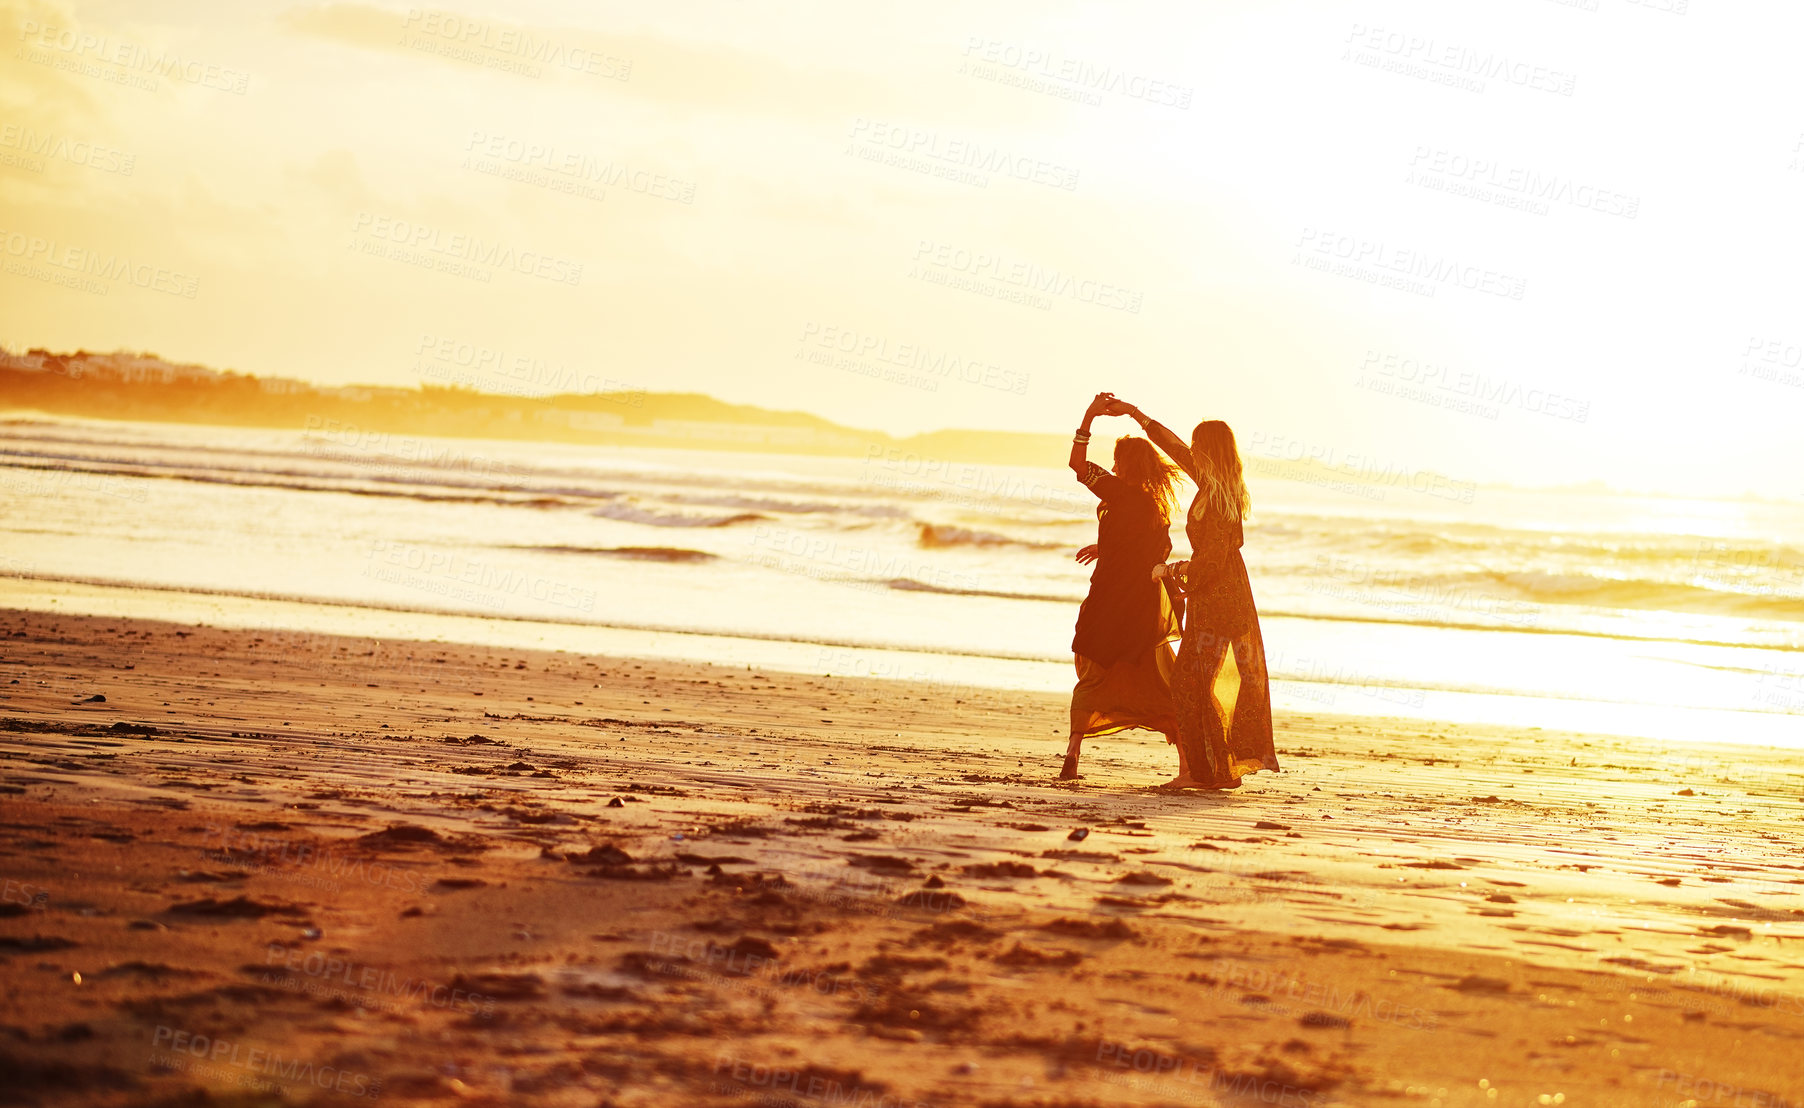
column 1183, row 782
column 1070, row 768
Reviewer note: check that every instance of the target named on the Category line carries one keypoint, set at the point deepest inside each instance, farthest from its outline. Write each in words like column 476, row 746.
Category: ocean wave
column 1521, row 593
column 1469, row 541
column 633, row 513
column 1757, row 600
column 638, row 553
column 391, row 605
column 783, row 505
column 559, row 492
column 939, row 535
column 858, row 643
column 1556, row 564
column 331, row 469
column 253, row 479
column 909, row 584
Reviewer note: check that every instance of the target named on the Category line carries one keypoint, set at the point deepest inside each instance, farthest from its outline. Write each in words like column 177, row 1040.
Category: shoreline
column 785, row 884
column 948, row 670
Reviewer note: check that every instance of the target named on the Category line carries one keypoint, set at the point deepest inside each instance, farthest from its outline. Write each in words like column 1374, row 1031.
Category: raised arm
column 1080, row 459
column 1175, row 448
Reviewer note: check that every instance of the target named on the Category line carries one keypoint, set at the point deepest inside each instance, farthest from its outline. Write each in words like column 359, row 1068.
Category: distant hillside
column 145, row 387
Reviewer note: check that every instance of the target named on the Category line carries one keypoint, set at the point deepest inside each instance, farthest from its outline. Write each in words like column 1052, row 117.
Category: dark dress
column 1218, row 613
column 1123, row 663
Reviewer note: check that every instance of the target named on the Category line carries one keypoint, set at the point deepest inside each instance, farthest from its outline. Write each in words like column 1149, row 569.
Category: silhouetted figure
column 1123, row 656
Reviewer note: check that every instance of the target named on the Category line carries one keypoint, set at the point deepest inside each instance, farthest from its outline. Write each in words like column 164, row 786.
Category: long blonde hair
column 1221, row 483
column 1140, row 464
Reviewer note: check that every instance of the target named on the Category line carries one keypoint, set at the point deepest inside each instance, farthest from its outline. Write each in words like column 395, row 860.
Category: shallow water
column 1636, row 615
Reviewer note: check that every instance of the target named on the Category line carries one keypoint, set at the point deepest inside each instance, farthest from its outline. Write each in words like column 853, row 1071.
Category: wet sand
column 293, row 868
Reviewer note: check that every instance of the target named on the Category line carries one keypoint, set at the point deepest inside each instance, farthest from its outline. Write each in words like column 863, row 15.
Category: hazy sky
column 1532, row 241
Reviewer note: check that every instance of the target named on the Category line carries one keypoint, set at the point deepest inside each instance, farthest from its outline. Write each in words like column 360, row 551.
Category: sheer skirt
column 1134, row 692
column 1222, row 749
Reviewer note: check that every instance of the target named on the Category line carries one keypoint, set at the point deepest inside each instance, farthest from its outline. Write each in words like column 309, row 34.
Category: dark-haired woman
column 1124, row 629
column 1219, row 612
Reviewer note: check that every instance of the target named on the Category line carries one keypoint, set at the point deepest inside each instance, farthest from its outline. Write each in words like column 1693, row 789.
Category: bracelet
column 1081, row 437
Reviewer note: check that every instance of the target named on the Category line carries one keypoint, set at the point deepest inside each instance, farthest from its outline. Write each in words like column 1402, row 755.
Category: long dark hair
column 1140, row 464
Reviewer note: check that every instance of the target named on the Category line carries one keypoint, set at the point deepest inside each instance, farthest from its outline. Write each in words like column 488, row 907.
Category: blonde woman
column 1219, row 613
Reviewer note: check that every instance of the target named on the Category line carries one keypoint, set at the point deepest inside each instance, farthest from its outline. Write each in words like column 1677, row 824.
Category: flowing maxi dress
column 1219, row 613
column 1124, row 666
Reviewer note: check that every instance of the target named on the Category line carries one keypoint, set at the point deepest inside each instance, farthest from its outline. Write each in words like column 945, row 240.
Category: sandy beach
column 552, row 554
column 292, row 868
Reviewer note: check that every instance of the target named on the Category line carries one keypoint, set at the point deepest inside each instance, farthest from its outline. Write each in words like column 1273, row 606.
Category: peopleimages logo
column 269, row 854
column 781, row 1084
column 34, row 146
column 18, row 892
column 1461, row 384
column 1077, row 76
column 1432, row 271
column 1529, row 188
column 459, row 247
column 543, row 163
column 961, row 153
column 81, row 262
column 822, row 343
column 1158, row 1070
column 1029, row 279
column 1706, row 1092
column 81, row 51
column 536, row 373
column 525, row 48
column 178, row 1049
column 447, row 572
column 325, row 973
column 1458, row 60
